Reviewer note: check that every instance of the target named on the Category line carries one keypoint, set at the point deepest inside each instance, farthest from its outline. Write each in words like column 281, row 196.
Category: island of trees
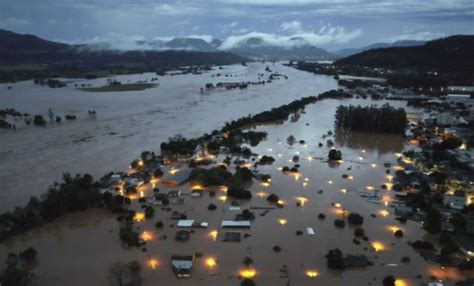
column 384, row 119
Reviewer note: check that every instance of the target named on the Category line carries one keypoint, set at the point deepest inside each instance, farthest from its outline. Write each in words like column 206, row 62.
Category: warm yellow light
column 139, row 217
column 153, row 262
column 213, row 234
column 197, row 187
column 301, row 200
column 281, row 202
column 223, row 198
column 174, row 171
column 248, row 273
column 373, row 165
column 377, row 246
column 282, row 221
column 211, row 262
column 463, row 146
column 350, row 178
column 389, row 177
column 265, row 184
column 146, row 236
column 344, row 191
column 142, row 194
column 393, row 228
column 312, row 273
column 310, row 158
column 401, row 282
column 398, row 155
column 361, row 158
column 261, row 194
column 384, row 213
column 398, row 168
column 305, row 184
column 370, row 188
column 337, row 205
column 140, row 163
column 223, row 189
column 389, row 186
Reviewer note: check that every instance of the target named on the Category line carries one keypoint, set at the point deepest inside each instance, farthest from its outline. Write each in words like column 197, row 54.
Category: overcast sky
column 331, row 24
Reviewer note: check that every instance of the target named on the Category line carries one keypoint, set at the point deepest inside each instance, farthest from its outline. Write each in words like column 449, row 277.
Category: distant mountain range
column 451, row 54
column 33, row 57
column 353, row 51
column 298, row 49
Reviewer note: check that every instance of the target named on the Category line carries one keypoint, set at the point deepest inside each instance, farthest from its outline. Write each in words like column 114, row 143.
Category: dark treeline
column 74, row 194
column 384, row 119
column 234, row 137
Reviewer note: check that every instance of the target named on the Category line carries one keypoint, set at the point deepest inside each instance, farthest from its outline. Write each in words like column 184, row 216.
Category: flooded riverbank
column 127, row 122
column 319, row 187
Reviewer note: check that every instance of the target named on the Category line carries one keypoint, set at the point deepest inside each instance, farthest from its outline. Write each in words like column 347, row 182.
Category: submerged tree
column 384, row 119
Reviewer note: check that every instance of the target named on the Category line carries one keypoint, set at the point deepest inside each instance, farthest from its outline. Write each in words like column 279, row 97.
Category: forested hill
column 27, row 56
column 451, row 54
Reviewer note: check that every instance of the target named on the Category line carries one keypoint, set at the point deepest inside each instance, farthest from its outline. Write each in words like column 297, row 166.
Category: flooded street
column 78, row 249
column 127, row 122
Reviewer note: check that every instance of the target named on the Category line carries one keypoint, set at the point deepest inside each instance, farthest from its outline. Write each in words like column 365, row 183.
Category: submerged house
column 182, row 265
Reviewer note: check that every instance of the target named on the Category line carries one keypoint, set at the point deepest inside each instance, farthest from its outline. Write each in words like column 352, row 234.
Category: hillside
column 10, row 41
column 26, row 56
column 256, row 48
column 353, row 51
column 451, row 54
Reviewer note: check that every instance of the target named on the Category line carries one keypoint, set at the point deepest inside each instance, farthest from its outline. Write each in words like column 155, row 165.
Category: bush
column 239, row 193
column 419, row 244
column 211, row 207
column 340, row 223
column 149, row 212
column 355, row 219
column 388, row 281
column 159, row 224
column 39, row 121
column 276, row 248
column 334, row 155
column 398, row 233
column 321, row 216
column 272, row 198
column 359, row 232
column 335, row 259
column 247, row 282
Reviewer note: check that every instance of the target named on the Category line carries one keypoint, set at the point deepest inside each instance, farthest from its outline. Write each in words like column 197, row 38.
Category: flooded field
column 127, row 122
column 77, row 249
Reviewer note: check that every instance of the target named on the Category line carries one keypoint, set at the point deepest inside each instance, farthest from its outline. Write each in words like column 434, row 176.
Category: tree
column 39, row 120
column 355, row 219
column 388, row 281
column 125, row 274
column 335, row 259
column 334, row 155
column 117, row 274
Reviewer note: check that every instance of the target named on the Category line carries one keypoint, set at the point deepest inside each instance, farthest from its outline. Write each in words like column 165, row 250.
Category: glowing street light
column 312, row 273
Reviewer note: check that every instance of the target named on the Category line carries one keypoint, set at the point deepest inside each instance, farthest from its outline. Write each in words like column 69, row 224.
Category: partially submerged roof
column 191, row 223
column 236, row 224
column 182, row 261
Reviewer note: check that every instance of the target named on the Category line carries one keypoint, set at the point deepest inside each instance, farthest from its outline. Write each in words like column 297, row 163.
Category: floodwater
column 127, row 122
column 78, row 249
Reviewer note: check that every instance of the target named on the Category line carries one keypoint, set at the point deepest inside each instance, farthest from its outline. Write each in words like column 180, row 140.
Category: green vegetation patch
column 119, row 87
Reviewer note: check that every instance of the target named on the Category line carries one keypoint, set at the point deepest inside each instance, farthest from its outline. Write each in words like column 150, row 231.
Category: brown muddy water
column 78, row 249
column 127, row 123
